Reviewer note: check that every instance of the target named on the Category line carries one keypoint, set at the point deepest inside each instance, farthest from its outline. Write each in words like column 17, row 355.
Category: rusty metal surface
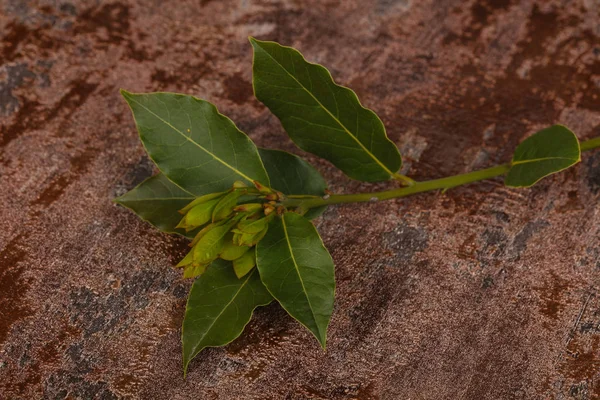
column 481, row 293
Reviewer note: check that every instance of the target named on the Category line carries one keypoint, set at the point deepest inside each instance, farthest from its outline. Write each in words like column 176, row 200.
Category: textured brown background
column 480, row 293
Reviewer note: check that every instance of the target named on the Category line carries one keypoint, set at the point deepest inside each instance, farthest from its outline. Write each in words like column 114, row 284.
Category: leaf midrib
column 542, row 159
column 240, row 173
column 329, row 113
column 287, row 239
column 218, row 316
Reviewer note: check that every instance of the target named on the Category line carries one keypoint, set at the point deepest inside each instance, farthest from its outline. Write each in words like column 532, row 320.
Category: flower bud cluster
column 229, row 225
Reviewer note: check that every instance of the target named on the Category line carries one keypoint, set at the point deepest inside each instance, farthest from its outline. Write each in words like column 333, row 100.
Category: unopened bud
column 261, row 188
column 268, row 209
column 248, row 207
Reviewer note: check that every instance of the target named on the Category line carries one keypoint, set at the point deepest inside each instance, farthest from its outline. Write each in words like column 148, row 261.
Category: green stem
column 590, row 144
column 305, row 201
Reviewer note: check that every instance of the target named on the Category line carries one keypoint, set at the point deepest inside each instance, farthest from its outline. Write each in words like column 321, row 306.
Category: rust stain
column 582, row 361
column 13, row 306
column 32, row 115
column 109, row 22
column 551, row 295
column 19, row 35
column 237, row 88
column 78, row 166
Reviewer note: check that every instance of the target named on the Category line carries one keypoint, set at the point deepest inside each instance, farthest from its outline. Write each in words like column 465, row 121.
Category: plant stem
column 306, row 201
column 590, row 144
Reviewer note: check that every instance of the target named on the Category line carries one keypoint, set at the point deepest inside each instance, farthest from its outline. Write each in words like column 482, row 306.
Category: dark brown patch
column 79, row 165
column 19, row 35
column 481, row 13
column 551, row 296
column 238, row 89
column 110, row 23
column 32, row 115
column 185, row 75
column 13, row 287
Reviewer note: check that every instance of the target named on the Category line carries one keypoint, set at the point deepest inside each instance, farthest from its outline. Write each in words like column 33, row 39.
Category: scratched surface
column 480, row 293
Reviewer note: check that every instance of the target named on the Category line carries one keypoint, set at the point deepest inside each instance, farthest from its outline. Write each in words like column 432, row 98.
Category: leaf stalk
column 305, row 202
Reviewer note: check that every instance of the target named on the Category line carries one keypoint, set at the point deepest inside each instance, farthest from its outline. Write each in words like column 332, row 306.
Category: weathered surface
column 481, row 293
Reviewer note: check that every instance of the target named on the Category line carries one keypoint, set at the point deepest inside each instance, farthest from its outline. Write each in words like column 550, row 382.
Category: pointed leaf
column 544, row 153
column 193, row 144
column 320, row 116
column 156, row 200
column 298, row 271
column 219, row 307
column 290, row 174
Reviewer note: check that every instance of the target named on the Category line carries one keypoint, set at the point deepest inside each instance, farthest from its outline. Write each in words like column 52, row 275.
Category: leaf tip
column 323, row 343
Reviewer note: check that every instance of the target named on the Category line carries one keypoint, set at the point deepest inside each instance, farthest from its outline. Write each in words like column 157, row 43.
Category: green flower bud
column 245, row 263
column 210, row 245
column 225, row 207
column 200, row 200
column 252, row 226
column 198, row 215
column 251, row 239
column 249, row 207
column 268, row 209
column 239, row 185
column 232, row 251
column 261, row 188
column 193, row 271
column 187, row 260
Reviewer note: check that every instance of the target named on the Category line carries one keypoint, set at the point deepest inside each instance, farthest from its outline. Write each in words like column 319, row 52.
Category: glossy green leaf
column 245, row 263
column 219, row 307
column 298, row 271
column 320, row 116
column 290, row 175
column 156, row 200
column 193, row 144
column 544, row 153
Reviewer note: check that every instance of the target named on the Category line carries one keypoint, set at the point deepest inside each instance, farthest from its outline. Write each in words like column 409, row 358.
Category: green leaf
column 544, row 153
column 219, row 307
column 290, row 174
column 320, row 116
column 298, row 271
column 193, row 144
column 156, row 200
